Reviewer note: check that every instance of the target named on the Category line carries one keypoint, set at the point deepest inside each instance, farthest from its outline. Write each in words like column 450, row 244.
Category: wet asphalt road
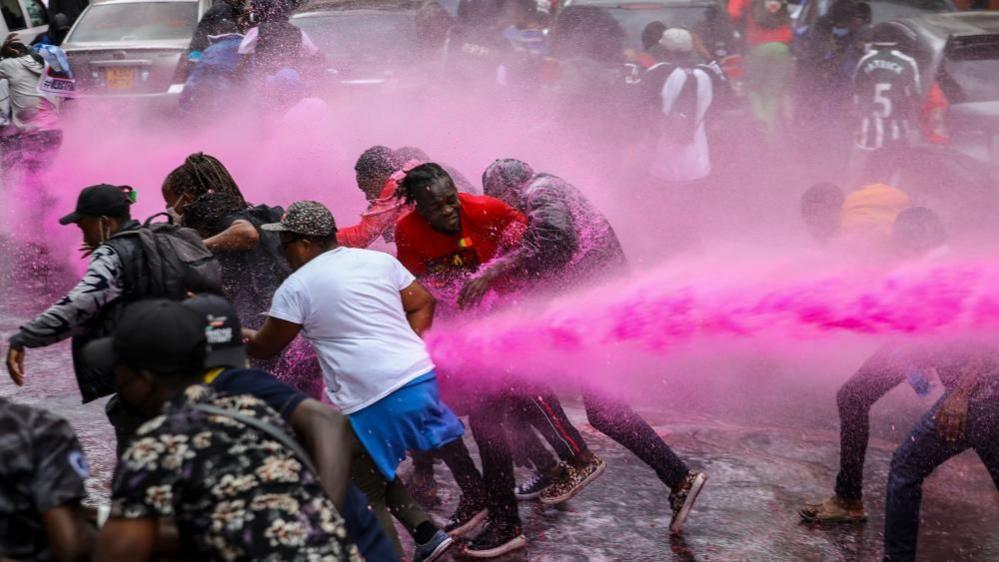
column 759, row 476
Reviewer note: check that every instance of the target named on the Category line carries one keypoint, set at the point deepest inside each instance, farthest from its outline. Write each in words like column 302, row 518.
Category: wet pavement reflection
column 759, row 477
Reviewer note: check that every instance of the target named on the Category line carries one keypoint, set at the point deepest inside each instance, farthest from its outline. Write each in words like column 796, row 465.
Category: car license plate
column 120, row 78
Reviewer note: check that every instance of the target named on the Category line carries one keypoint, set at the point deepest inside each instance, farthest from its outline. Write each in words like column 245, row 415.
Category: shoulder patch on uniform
column 79, row 463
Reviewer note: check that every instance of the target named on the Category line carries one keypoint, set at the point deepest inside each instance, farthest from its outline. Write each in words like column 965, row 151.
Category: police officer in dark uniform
column 42, row 468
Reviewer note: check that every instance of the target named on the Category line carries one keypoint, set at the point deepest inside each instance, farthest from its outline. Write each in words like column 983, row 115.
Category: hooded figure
column 58, row 29
column 568, row 241
column 71, row 8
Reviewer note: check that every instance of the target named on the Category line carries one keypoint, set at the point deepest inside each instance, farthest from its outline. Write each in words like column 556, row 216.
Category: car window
column 634, row 20
column 971, row 75
column 13, row 15
column 136, row 21
column 884, row 10
column 37, row 14
column 362, row 36
column 881, row 10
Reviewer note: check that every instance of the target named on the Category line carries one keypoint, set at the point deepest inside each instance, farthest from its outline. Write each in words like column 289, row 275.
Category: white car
column 27, row 18
column 133, row 49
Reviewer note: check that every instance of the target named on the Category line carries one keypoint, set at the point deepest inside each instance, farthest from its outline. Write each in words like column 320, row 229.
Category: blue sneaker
column 434, row 548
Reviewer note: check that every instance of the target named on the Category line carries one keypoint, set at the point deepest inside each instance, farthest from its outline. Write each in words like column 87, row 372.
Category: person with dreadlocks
column 407, row 153
column 379, row 171
column 203, row 195
column 449, row 234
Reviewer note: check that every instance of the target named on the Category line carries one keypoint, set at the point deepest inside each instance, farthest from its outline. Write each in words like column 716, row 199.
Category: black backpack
column 768, row 18
column 174, row 261
column 680, row 124
column 270, row 241
column 159, row 260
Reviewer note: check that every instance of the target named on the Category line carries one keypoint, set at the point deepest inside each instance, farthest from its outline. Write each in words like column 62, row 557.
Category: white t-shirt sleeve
column 399, row 275
column 291, row 303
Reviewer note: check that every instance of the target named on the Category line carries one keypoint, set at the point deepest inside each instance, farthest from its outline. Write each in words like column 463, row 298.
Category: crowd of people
column 225, row 461
column 268, row 373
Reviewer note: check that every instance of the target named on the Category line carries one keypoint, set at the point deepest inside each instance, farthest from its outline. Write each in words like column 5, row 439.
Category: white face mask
column 172, row 210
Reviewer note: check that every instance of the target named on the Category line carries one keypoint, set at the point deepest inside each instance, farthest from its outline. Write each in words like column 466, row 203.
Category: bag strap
column 149, row 221
column 695, row 87
column 270, row 430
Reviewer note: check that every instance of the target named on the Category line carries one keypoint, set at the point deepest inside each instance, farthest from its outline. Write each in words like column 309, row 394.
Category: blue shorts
column 411, row 418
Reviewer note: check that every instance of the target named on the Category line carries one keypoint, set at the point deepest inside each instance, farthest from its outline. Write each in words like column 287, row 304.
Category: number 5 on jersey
column 884, row 103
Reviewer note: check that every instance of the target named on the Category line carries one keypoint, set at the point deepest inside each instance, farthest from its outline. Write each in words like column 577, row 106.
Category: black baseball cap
column 223, row 331
column 101, row 200
column 160, row 336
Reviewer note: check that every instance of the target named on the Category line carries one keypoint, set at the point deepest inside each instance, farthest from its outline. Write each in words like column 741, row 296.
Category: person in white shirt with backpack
column 681, row 93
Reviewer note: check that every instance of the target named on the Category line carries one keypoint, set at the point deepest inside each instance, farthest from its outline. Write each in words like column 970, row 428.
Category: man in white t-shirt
column 363, row 312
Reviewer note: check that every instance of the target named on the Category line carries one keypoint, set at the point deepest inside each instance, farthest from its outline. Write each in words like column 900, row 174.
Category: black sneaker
column 434, row 548
column 682, row 499
column 496, row 540
column 466, row 518
column 531, row 489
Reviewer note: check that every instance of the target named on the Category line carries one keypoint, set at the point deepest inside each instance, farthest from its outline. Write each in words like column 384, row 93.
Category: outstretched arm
column 548, row 243
column 241, row 235
column 100, row 285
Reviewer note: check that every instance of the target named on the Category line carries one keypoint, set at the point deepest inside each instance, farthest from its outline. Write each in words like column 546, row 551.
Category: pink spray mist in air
column 581, row 338
column 612, row 334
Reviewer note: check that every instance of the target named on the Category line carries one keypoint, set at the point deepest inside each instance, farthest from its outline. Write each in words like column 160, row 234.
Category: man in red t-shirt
column 445, row 239
column 449, row 234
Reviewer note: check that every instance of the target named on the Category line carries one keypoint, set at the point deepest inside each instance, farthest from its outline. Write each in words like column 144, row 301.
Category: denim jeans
column 919, row 455
column 875, row 378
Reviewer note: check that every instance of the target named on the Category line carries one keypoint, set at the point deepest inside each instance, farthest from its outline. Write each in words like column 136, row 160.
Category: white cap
column 677, row 40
